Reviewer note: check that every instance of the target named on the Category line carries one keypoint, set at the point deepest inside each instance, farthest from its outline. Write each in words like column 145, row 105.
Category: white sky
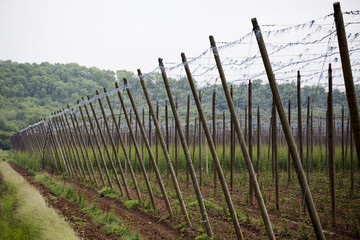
column 131, row 34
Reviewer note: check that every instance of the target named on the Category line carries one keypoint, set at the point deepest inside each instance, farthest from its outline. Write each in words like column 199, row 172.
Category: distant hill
column 29, row 92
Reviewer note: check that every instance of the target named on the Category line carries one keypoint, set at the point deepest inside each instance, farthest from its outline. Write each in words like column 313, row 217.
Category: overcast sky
column 131, row 34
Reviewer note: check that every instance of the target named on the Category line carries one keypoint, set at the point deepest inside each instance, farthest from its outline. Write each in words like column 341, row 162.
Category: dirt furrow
column 148, row 226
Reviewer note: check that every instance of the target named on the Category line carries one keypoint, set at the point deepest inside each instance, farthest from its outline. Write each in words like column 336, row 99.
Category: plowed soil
column 148, row 226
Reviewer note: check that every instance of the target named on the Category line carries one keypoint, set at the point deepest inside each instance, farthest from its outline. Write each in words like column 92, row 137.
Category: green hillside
column 29, row 92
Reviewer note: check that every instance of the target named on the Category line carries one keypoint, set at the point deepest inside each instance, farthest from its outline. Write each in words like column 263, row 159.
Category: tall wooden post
column 258, row 143
column 287, row 130
column 288, row 152
column 136, row 146
column 97, row 144
column 348, row 78
column 299, row 117
column 250, row 137
column 275, row 155
column 216, row 160
column 166, row 153
column 320, row 143
column 351, row 164
column 156, row 137
column 93, row 149
column 200, row 148
column 342, row 141
column 187, row 129
column 112, row 145
column 331, row 147
column 214, row 132
column 308, row 140
column 147, row 144
column 203, row 211
column 245, row 152
column 127, row 157
column 223, row 141
column 232, row 146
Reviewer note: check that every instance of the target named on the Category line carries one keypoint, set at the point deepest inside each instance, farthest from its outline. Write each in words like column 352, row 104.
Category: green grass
column 23, row 205
column 10, row 227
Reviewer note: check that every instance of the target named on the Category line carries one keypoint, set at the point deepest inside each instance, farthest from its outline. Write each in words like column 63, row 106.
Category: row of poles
column 67, row 142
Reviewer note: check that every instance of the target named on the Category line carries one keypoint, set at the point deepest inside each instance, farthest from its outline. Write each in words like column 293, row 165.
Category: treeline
column 29, row 92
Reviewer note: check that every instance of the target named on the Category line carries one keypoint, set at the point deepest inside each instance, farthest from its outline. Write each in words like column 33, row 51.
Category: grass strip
column 24, row 213
column 112, row 224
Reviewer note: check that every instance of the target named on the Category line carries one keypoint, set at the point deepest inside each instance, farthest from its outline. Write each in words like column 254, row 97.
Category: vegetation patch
column 111, row 223
column 24, row 213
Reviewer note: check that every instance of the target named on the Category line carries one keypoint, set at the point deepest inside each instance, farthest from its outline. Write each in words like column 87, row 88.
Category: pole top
column 183, row 57
column 139, row 72
column 105, row 90
column 125, row 81
column 337, row 7
column 116, row 84
column 97, row 92
column 254, row 22
column 212, row 41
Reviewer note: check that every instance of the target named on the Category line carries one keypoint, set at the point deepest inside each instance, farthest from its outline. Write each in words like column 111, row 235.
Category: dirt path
column 148, row 226
column 80, row 222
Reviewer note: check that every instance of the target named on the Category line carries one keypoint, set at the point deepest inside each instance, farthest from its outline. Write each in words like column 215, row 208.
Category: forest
column 30, row 91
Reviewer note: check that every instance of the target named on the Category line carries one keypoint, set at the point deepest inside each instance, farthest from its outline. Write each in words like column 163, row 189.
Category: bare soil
column 149, row 226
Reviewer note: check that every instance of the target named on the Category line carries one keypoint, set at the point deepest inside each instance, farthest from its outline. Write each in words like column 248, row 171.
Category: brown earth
column 149, row 227
column 79, row 221
column 157, row 227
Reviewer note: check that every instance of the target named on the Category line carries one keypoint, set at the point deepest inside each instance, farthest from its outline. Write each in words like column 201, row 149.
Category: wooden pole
column 137, row 151
column 194, row 141
column 258, row 167
column 187, row 129
column 223, row 141
column 308, row 140
column 348, row 78
column 92, row 147
column 275, row 154
column 176, row 145
column 203, row 211
column 232, row 146
column 331, row 146
column 113, row 147
column 250, row 138
column 342, row 141
column 166, row 153
column 299, row 118
column 83, row 149
column 216, row 160
column 311, row 141
column 214, row 133
column 127, row 157
column 97, row 143
column 351, row 164
column 151, row 155
column 156, row 137
column 248, row 162
column 200, row 148
column 320, row 143
column 288, row 151
column 287, row 130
